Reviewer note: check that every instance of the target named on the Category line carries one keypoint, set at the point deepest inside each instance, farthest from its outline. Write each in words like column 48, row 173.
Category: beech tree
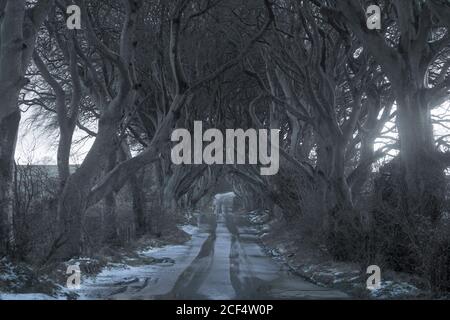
column 20, row 23
column 83, row 188
column 362, row 169
column 409, row 44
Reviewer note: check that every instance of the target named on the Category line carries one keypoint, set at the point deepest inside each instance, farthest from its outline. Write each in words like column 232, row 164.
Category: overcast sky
column 38, row 147
column 35, row 146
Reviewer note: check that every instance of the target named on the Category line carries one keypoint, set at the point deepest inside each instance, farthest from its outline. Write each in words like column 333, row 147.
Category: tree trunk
column 406, row 66
column 138, row 195
column 111, row 234
column 109, row 221
column 367, row 152
column 8, row 136
column 366, row 156
column 71, row 207
column 422, row 173
column 11, row 81
column 295, row 135
column 63, row 157
column 17, row 41
column 331, row 161
column 342, row 193
column 74, row 199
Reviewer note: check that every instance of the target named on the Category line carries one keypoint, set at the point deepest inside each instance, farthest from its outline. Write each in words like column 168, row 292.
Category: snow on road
column 129, row 282
column 223, row 260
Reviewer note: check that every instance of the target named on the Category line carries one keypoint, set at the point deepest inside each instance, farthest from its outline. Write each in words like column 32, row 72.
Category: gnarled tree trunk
column 406, row 65
column 8, row 136
column 74, row 199
column 18, row 28
column 422, row 173
column 139, row 208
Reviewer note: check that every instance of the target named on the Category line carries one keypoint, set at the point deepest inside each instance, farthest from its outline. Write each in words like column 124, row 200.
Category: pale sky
column 38, row 147
column 35, row 146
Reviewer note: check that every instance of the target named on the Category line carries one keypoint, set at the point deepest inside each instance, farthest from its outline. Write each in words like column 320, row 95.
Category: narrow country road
column 224, row 261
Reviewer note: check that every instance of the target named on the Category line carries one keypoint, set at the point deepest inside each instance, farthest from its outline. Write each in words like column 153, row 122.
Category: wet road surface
column 224, row 261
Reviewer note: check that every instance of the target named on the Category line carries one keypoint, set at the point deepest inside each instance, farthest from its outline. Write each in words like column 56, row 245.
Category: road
column 224, row 261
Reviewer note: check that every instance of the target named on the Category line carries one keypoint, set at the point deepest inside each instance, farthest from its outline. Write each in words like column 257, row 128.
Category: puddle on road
column 223, row 260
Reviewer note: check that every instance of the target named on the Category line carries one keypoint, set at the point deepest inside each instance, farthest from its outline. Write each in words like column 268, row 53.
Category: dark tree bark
column 8, row 136
column 406, row 66
column 139, row 207
column 67, row 116
column 18, row 28
column 110, row 218
column 73, row 201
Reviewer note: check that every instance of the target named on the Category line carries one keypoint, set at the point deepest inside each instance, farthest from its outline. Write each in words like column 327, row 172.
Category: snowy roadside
column 126, row 280
column 14, row 278
column 138, row 270
column 317, row 267
column 25, row 296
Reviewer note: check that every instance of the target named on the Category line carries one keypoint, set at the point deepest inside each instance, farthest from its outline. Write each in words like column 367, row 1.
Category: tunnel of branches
column 363, row 118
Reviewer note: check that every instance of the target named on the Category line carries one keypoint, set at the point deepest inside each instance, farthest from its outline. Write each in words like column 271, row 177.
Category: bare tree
column 407, row 47
column 19, row 27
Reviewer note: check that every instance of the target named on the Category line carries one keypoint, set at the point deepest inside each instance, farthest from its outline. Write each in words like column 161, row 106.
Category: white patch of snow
column 190, row 229
column 390, row 289
column 160, row 277
column 25, row 296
